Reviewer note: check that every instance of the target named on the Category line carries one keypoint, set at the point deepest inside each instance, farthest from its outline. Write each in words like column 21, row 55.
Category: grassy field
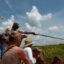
column 50, row 51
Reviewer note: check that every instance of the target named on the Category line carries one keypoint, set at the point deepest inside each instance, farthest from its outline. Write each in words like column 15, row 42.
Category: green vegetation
column 50, row 51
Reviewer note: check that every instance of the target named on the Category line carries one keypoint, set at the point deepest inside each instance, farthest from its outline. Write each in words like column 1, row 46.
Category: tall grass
column 50, row 51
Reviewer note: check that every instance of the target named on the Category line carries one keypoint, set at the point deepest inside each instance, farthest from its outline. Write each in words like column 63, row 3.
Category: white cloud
column 1, row 29
column 35, row 17
column 27, row 26
column 33, row 29
column 8, row 3
column 55, row 28
column 8, row 23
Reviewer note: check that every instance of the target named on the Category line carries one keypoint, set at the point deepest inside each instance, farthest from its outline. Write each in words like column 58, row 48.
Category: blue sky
column 40, row 16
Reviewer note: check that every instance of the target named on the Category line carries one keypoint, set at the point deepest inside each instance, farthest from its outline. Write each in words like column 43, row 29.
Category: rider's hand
column 33, row 33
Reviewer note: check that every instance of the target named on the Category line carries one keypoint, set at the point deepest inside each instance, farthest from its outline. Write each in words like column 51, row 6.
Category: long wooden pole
column 50, row 36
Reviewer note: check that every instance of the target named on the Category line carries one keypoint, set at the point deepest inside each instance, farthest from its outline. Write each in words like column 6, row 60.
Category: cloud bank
column 35, row 18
